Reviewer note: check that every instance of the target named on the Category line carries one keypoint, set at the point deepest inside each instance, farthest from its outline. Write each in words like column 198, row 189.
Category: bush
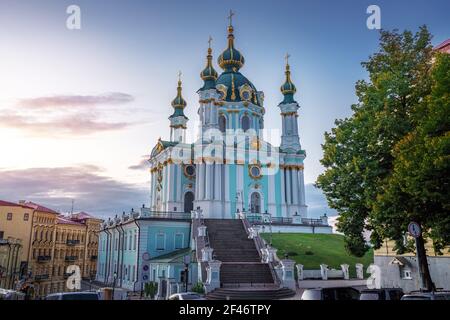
column 198, row 288
column 150, row 289
column 309, row 253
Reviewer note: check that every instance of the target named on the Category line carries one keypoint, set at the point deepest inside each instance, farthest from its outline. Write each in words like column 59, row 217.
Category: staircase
column 254, row 294
column 241, row 264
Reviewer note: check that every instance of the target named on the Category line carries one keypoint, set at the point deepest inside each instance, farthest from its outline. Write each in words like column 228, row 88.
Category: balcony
column 146, row 213
column 71, row 258
column 72, row 242
column 44, row 258
column 94, row 257
column 41, row 277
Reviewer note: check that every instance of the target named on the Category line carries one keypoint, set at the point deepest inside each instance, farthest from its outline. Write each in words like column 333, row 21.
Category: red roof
column 65, row 220
column 440, row 47
column 82, row 216
column 12, row 204
column 38, row 207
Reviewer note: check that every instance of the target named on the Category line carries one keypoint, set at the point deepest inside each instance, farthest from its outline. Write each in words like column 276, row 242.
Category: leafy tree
column 387, row 164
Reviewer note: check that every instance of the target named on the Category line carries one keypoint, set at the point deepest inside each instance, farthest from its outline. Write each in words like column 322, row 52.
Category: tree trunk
column 426, row 282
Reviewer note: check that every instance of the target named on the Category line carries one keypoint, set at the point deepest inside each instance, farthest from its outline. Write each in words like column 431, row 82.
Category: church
column 212, row 197
column 230, row 168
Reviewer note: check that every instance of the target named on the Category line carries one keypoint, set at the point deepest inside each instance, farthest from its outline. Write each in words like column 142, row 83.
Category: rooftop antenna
column 71, row 210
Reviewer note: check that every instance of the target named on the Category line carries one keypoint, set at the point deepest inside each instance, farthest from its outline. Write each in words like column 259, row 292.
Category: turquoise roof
column 231, row 58
column 178, row 103
column 234, row 80
column 288, row 89
column 209, row 74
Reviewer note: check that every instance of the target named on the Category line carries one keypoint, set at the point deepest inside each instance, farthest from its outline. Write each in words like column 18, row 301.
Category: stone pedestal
column 344, row 268
column 207, row 253
column 201, row 231
column 324, row 271
column 299, row 272
column 213, row 275
column 268, row 254
column 359, row 271
column 288, row 279
column 296, row 219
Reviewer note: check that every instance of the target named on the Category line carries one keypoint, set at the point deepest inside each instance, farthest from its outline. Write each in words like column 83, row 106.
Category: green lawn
column 311, row 250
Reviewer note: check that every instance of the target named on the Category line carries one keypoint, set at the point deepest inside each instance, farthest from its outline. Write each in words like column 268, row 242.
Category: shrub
column 198, row 287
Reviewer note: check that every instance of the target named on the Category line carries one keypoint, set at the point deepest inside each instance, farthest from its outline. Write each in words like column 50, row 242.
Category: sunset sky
column 80, row 110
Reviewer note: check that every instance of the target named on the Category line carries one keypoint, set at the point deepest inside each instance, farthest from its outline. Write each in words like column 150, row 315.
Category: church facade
column 230, row 168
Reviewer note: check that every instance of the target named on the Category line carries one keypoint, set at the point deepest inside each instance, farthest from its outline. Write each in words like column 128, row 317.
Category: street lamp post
column 187, row 261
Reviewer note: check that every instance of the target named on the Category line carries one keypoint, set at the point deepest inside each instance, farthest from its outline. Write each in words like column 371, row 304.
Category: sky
column 80, row 110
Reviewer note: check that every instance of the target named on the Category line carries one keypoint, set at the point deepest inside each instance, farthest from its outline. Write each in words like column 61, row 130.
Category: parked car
column 186, row 296
column 439, row 295
column 342, row 293
column 88, row 295
column 381, row 294
column 6, row 294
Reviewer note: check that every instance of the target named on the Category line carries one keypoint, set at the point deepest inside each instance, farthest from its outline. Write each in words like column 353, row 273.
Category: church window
column 178, row 241
column 160, row 241
column 189, row 170
column 245, row 123
column 222, row 123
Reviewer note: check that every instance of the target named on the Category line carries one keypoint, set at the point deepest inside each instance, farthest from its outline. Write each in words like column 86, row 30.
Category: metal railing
column 147, row 213
column 44, row 258
column 260, row 244
column 72, row 242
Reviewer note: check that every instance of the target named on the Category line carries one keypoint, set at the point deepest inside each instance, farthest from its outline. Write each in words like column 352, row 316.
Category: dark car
column 381, row 294
column 342, row 293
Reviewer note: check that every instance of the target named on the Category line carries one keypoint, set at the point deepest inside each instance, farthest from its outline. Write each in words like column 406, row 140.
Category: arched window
column 245, row 123
column 222, row 123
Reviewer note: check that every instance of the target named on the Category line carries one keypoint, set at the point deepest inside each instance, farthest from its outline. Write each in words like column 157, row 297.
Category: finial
column 209, row 42
column 179, row 76
column 230, row 17
column 287, row 58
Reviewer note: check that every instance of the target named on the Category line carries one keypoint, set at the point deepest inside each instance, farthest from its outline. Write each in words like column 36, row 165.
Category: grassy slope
column 326, row 248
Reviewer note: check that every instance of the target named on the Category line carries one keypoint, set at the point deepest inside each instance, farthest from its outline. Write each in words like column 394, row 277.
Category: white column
column 283, row 191
column 201, row 181
column 178, row 185
column 288, row 186
column 208, row 181
column 295, row 193
column 218, row 181
column 302, row 187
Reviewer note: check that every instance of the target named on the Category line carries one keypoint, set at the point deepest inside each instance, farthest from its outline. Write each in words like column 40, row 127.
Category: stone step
column 250, row 294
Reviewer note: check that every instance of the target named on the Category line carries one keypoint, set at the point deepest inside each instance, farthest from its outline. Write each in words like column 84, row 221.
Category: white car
column 186, row 296
column 427, row 296
column 88, row 295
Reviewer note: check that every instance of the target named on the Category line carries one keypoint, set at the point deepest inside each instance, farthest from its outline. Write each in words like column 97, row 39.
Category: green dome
column 233, row 81
column 231, row 58
column 178, row 103
column 209, row 74
column 288, row 89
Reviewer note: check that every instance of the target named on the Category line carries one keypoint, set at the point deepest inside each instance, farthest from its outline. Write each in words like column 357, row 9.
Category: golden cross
column 287, row 58
column 179, row 75
column 209, row 41
column 230, row 17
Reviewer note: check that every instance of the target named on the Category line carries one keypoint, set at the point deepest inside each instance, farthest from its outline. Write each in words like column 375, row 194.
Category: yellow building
column 37, row 244
column 76, row 244
column 40, row 259
column 15, row 232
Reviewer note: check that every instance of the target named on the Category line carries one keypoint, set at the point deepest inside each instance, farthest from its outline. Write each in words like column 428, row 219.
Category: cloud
column 142, row 165
column 65, row 115
column 56, row 187
column 76, row 124
column 113, row 98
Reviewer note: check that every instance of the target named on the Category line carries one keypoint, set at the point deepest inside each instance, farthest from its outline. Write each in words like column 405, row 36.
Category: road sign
column 146, row 256
column 414, row 229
